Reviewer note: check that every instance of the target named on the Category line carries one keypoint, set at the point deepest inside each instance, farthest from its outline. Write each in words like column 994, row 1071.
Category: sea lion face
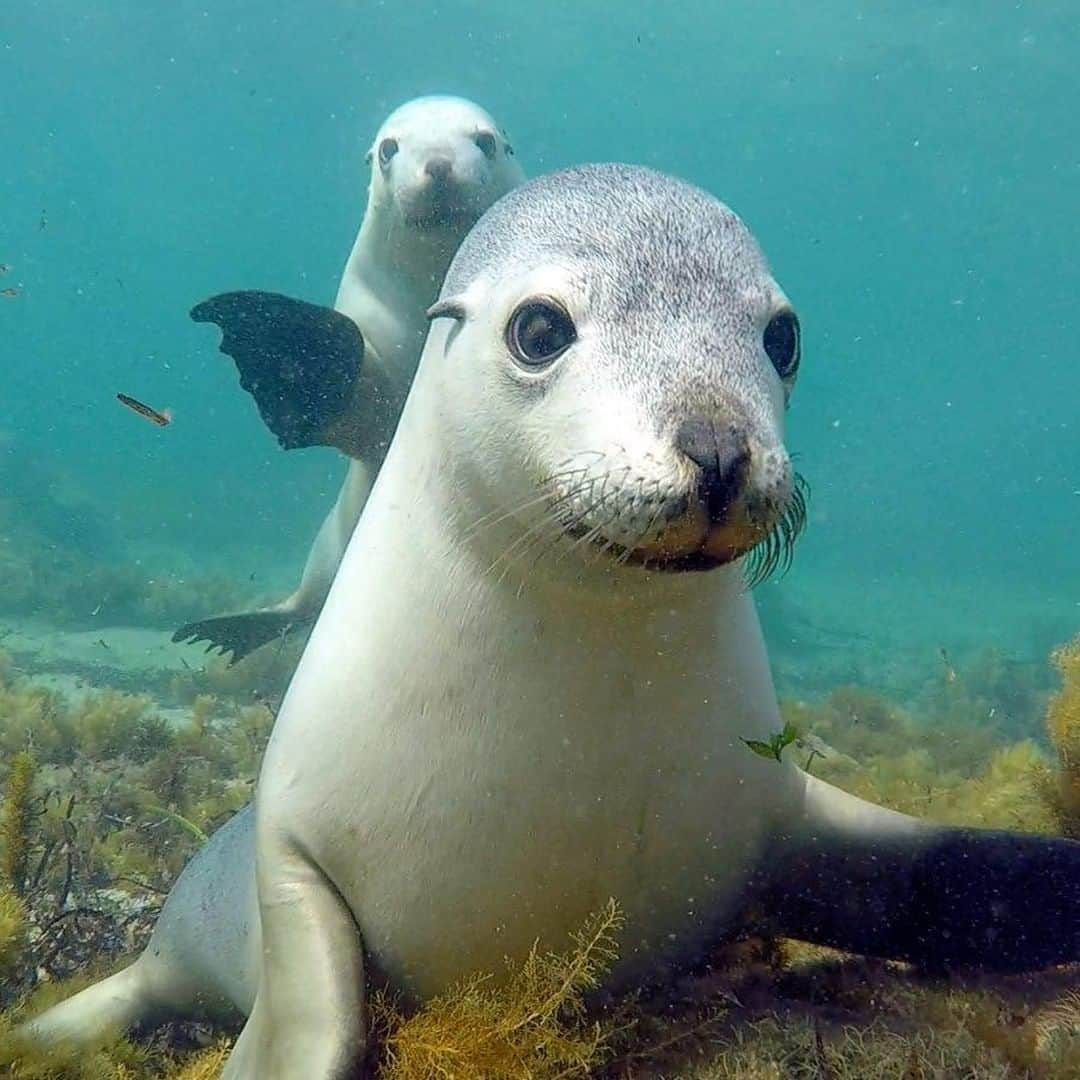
column 440, row 162
column 622, row 344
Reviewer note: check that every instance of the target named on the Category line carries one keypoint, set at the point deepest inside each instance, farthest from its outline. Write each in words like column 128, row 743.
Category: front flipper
column 867, row 880
column 239, row 634
column 308, row 1019
column 299, row 361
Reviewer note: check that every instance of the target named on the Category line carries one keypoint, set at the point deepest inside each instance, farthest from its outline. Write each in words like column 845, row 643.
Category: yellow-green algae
column 1063, row 727
column 125, row 795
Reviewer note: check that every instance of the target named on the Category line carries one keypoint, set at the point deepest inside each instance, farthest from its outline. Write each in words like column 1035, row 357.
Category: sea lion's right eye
column 539, row 332
column 781, row 341
column 486, row 143
column 387, row 149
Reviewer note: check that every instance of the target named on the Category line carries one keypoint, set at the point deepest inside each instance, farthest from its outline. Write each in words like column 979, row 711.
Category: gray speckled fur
column 661, row 260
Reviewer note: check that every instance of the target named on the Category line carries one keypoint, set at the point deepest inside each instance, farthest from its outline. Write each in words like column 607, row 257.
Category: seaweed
column 99, row 821
column 106, row 799
column 15, row 822
column 532, row 1027
column 1063, row 727
column 13, row 931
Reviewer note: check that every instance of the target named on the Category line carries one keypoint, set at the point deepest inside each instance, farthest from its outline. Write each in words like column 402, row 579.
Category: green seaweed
column 776, row 744
column 14, row 929
column 532, row 1026
column 1063, row 727
column 15, row 821
column 121, row 797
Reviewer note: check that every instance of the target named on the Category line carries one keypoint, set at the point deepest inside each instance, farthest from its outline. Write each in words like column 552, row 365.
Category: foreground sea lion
column 339, row 377
column 529, row 687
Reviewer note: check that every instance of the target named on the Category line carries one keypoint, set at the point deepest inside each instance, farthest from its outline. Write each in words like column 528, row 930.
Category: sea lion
column 531, row 686
column 339, row 378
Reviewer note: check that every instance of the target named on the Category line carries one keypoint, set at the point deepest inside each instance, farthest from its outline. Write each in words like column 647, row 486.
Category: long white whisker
column 490, row 520
column 544, row 521
column 627, row 551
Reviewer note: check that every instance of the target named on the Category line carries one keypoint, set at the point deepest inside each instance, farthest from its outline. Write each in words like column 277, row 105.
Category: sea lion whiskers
column 548, row 519
column 556, row 499
column 563, row 521
column 776, row 549
column 502, row 513
column 546, row 533
column 589, row 536
column 624, row 555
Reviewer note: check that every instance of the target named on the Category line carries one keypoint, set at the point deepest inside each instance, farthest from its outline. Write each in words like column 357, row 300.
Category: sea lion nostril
column 722, row 452
column 439, row 168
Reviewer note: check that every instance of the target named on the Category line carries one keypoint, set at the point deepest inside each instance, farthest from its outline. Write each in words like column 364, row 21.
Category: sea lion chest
column 478, row 791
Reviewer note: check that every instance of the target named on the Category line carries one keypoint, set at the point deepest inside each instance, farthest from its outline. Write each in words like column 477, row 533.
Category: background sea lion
column 320, row 378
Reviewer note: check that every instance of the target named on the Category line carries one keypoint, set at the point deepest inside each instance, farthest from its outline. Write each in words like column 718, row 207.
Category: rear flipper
column 239, row 634
column 243, row 633
column 201, row 961
column 299, row 361
column 111, row 1007
column 869, row 881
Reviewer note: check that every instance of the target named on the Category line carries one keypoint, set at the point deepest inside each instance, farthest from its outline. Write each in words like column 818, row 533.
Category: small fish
column 11, row 290
column 4, row 268
column 950, row 671
column 42, row 221
column 103, row 643
column 162, row 419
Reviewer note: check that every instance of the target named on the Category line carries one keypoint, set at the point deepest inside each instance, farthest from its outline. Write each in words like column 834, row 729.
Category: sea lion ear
column 451, row 308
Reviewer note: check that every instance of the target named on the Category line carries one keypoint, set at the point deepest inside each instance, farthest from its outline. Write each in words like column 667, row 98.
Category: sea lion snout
column 721, row 451
column 439, row 167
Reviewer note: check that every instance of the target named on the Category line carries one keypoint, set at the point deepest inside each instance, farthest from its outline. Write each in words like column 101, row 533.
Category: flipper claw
column 238, row 634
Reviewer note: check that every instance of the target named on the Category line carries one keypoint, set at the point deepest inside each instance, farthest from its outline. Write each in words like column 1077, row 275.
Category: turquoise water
column 910, row 168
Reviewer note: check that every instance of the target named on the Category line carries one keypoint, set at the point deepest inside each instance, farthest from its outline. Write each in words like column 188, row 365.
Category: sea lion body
column 530, row 688
column 450, row 164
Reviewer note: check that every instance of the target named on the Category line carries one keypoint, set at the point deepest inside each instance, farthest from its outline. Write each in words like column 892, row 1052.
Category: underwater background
column 910, row 168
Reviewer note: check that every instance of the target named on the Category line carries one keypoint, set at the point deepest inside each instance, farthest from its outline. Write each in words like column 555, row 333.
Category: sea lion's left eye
column 487, row 143
column 387, row 149
column 781, row 341
column 539, row 332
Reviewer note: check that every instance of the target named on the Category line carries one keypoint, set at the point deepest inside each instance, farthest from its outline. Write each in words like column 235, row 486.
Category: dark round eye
column 781, row 342
column 539, row 332
column 387, row 149
column 486, row 142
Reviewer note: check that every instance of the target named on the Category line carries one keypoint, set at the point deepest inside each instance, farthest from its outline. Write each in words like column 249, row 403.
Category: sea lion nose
column 439, row 169
column 722, row 452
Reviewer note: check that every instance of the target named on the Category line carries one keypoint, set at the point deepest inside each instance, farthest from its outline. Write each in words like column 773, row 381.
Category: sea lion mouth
column 446, row 205
column 719, row 547
column 766, row 548
column 445, row 215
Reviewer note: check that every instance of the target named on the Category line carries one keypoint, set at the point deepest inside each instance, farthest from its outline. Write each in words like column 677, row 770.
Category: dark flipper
column 239, row 634
column 299, row 361
column 944, row 899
